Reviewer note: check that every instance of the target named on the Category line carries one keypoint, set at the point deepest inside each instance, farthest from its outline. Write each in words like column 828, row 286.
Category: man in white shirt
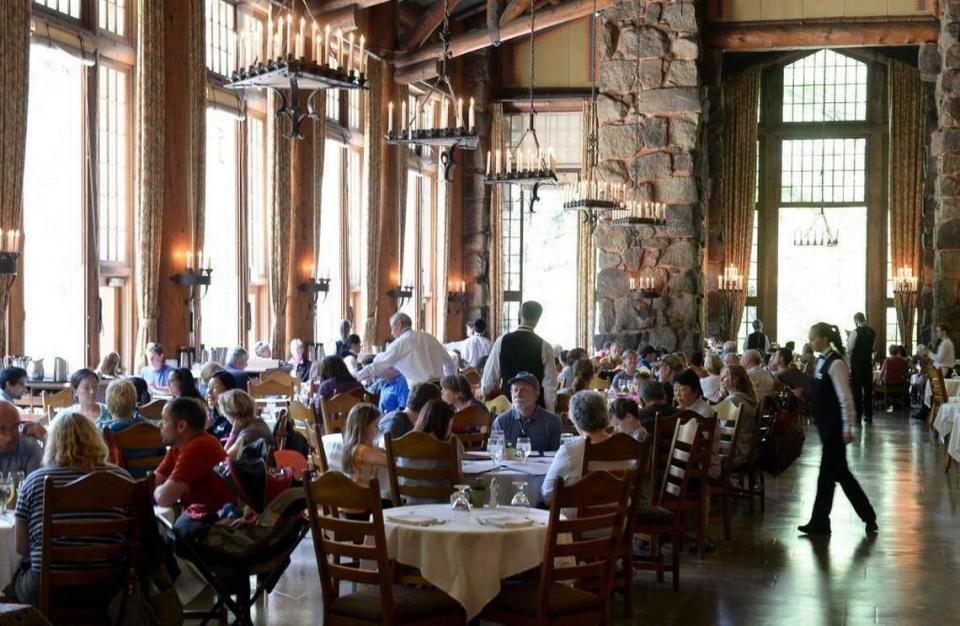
column 946, row 357
column 415, row 354
column 476, row 346
column 522, row 351
column 761, row 378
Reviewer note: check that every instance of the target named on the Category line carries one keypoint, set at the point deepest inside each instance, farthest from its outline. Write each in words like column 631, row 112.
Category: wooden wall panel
column 775, row 10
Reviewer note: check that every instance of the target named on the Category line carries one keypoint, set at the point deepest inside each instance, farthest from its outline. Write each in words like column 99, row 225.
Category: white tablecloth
column 9, row 559
column 531, row 471
column 946, row 417
column 952, row 385
column 461, row 557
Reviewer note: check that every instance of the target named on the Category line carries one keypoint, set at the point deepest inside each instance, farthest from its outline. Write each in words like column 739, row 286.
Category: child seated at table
column 362, row 459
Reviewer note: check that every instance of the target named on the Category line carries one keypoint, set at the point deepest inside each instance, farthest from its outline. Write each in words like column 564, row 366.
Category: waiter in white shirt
column 476, row 346
column 946, row 357
column 415, row 354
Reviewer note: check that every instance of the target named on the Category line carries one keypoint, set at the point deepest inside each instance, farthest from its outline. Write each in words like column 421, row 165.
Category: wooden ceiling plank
column 513, row 10
column 787, row 36
column 428, row 22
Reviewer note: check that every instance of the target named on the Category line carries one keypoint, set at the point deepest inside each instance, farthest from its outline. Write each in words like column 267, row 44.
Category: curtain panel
column 738, row 177
column 197, row 77
column 279, row 227
column 373, row 143
column 495, row 261
column 149, row 125
column 319, row 153
column 401, row 154
column 586, row 266
column 906, row 183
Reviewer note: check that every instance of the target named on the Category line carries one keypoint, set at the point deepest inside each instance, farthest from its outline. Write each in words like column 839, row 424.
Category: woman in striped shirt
column 74, row 449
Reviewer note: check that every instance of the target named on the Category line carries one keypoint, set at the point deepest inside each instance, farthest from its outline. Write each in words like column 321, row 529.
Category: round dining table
column 508, row 475
column 466, row 554
column 9, row 559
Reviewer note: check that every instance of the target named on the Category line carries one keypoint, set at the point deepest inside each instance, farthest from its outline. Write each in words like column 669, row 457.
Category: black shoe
column 872, row 528
column 868, row 419
column 811, row 529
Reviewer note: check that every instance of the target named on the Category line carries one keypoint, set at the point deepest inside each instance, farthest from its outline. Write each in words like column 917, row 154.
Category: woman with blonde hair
column 736, row 383
column 363, row 460
column 240, row 409
column 74, row 449
column 110, row 366
column 710, row 383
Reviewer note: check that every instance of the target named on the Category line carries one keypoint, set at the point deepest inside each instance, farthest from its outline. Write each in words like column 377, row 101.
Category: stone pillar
column 945, row 146
column 650, row 112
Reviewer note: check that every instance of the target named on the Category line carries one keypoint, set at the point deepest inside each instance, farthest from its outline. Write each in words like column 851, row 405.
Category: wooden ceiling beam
column 326, row 6
column 479, row 39
column 429, row 21
column 793, row 35
column 513, row 10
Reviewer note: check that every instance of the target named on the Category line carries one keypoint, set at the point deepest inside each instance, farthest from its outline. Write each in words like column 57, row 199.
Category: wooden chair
column 434, row 482
column 283, row 390
column 938, row 391
column 64, row 568
column 358, row 392
column 619, row 448
column 364, row 544
column 153, row 410
column 728, row 430
column 472, row 376
column 698, row 500
column 663, row 431
column 666, row 518
column 53, row 400
column 592, row 546
column 599, row 384
column 563, row 403
column 282, row 376
column 138, row 448
column 472, row 427
column 334, row 411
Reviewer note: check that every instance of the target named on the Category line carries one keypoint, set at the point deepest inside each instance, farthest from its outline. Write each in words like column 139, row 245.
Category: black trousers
column 833, row 470
column 861, row 381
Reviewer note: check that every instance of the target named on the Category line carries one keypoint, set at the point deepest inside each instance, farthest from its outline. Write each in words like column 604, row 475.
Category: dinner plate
column 415, row 520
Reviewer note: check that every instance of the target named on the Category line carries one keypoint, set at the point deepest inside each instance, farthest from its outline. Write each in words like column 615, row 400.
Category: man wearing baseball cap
column 526, row 418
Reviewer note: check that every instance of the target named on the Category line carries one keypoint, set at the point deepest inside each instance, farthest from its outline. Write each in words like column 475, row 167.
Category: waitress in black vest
column 832, row 409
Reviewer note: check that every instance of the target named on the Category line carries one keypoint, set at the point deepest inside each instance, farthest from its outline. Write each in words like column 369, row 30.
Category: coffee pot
column 35, row 369
column 60, row 370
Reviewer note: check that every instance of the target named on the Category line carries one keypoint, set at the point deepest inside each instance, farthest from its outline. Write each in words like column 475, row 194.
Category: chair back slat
column 676, row 476
column 281, row 376
column 472, row 376
column 326, row 495
column 152, row 410
column 53, row 400
column 593, row 555
column 318, row 456
column 472, row 427
column 334, row 411
column 140, row 438
column 113, row 544
column 728, row 427
column 271, row 387
column 663, row 430
column 418, row 447
column 619, row 448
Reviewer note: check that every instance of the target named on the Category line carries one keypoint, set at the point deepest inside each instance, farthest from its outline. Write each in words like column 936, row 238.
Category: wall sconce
column 9, row 251
column 194, row 277
column 647, row 291
column 402, row 294
column 731, row 291
column 315, row 286
column 457, row 298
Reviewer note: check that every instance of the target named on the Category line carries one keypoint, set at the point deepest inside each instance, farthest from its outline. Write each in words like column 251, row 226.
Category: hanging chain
column 593, row 151
column 533, row 11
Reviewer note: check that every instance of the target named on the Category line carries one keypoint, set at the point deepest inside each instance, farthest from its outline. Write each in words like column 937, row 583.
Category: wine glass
column 523, row 448
column 495, row 447
column 6, row 489
column 460, row 501
column 520, row 499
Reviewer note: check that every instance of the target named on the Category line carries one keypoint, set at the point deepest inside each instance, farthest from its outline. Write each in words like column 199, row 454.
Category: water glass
column 520, row 499
column 495, row 446
column 460, row 501
column 523, row 448
column 6, row 490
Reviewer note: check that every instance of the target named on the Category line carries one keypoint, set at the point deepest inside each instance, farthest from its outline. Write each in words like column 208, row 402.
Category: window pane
column 328, row 257
column 353, row 102
column 112, row 16
column 746, row 321
column 114, row 158
column 221, row 37
column 560, row 131
column 53, row 297
column 806, row 270
column 825, row 86
column 823, row 170
column 893, row 329
column 67, row 7
column 256, row 197
column 220, row 307
column 357, row 224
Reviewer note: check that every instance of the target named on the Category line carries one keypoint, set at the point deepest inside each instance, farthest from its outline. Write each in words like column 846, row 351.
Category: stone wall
column 946, row 149
column 650, row 112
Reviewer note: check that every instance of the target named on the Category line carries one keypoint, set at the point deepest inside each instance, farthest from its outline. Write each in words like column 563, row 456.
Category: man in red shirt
column 186, row 473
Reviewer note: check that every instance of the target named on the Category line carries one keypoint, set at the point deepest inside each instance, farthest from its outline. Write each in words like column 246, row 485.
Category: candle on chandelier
column 289, row 49
column 498, row 162
column 327, row 45
column 508, row 162
column 463, row 286
column 488, row 164
column 633, row 284
column 315, row 41
column 350, row 56
column 472, row 119
column 403, row 116
column 361, row 63
column 445, row 115
column 390, row 118
column 553, row 160
column 520, row 161
column 300, row 40
column 459, row 112
column 339, row 48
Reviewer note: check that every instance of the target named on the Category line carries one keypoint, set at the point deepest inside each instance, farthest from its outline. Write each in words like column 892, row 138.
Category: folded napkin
column 506, row 521
column 415, row 520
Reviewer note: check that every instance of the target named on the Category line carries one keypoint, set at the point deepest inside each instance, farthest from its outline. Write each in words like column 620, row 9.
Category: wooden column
column 383, row 36
column 173, row 326
column 300, row 314
column 455, row 270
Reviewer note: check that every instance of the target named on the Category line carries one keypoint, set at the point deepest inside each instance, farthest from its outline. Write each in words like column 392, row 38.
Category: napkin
column 506, row 521
column 415, row 520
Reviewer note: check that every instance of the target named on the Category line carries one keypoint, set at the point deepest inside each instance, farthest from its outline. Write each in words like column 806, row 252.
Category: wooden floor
column 769, row 574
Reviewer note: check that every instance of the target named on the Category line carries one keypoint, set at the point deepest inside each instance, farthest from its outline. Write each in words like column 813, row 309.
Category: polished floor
column 769, row 574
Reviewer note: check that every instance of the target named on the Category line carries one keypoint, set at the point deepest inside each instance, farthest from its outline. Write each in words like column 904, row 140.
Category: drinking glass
column 520, row 499
column 495, row 446
column 6, row 488
column 460, row 501
column 523, row 448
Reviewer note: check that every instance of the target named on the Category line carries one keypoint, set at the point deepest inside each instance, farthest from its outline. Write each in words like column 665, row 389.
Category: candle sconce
column 730, row 288
column 198, row 279
column 9, row 252
column 457, row 301
column 315, row 286
column 647, row 290
column 402, row 294
column 8, row 262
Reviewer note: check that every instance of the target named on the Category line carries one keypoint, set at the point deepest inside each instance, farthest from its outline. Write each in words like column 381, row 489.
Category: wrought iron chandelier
column 461, row 134
column 592, row 194
column 331, row 62
column 528, row 168
column 819, row 233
